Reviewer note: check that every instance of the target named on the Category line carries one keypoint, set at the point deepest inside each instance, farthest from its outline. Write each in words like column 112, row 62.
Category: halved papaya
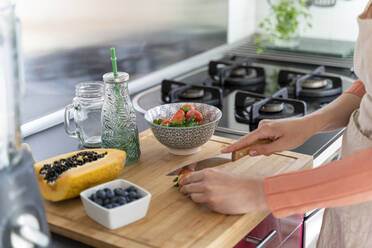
column 65, row 176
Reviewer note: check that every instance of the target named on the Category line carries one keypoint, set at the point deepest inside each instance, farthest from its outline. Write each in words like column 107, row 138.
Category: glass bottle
column 118, row 119
column 10, row 87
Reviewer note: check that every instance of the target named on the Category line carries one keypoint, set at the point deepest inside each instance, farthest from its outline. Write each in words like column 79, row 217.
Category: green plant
column 283, row 21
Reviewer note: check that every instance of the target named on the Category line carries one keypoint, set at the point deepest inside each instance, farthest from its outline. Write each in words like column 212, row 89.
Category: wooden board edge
column 223, row 140
column 77, row 234
column 145, row 133
column 234, row 233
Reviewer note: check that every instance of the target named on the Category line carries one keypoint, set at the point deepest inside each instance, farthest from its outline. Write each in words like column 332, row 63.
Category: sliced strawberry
column 197, row 114
column 165, row 123
column 183, row 174
column 178, row 116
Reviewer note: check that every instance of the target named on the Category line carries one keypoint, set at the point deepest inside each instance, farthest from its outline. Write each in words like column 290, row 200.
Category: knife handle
column 238, row 154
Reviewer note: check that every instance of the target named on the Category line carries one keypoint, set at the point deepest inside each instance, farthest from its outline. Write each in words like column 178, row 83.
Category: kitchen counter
column 202, row 228
column 43, row 148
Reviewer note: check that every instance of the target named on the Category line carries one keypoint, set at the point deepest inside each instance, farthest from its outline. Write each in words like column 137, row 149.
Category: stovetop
column 271, row 90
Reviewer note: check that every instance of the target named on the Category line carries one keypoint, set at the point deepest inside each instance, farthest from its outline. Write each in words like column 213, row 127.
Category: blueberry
column 106, row 201
column 106, row 189
column 128, row 199
column 101, row 194
column 132, row 194
column 122, row 200
column 138, row 197
column 118, row 191
column 93, row 197
column 108, row 206
column 110, row 194
column 115, row 199
column 99, row 201
column 132, row 188
column 114, row 205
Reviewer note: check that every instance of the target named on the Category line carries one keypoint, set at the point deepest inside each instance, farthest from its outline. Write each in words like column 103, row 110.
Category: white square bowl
column 122, row 215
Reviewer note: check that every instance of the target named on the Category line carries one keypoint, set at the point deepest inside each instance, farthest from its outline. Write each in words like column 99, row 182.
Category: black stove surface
column 264, row 80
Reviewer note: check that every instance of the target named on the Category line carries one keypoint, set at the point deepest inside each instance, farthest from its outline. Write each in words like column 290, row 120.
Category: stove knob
column 26, row 233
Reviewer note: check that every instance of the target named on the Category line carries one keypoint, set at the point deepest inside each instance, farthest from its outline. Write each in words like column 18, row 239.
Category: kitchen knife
column 217, row 159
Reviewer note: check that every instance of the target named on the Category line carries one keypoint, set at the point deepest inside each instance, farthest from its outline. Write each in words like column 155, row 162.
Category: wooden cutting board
column 173, row 220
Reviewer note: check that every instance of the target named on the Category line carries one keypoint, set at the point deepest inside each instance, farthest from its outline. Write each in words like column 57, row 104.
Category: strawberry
column 197, row 114
column 182, row 175
column 165, row 123
column 178, row 116
column 187, row 107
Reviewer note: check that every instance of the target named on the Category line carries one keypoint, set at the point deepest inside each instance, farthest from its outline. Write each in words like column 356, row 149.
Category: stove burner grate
column 312, row 86
column 249, row 107
column 236, row 73
column 174, row 91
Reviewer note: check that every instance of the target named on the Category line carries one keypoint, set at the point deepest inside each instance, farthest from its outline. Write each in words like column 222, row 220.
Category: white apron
column 351, row 226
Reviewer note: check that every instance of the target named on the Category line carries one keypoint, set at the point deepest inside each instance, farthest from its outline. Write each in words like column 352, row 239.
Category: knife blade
column 217, row 160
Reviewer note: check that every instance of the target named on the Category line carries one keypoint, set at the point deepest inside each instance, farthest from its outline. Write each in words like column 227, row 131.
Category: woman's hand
column 286, row 134
column 225, row 192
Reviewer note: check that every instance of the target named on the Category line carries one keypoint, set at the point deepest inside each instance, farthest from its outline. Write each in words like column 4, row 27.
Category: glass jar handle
column 68, row 110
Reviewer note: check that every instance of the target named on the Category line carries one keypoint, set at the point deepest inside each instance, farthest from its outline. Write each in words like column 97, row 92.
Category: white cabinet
column 312, row 225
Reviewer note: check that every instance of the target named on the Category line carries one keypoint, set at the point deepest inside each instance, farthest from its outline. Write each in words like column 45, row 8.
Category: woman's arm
column 336, row 114
column 290, row 133
column 339, row 183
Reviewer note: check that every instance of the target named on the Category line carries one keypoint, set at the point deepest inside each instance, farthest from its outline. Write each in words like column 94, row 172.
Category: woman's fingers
column 198, row 197
column 244, row 141
column 193, row 188
column 192, row 178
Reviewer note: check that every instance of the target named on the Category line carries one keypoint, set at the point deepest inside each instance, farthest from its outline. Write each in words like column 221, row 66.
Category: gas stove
column 250, row 90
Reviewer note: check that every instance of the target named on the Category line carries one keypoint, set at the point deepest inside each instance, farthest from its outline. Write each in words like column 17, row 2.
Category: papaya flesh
column 65, row 176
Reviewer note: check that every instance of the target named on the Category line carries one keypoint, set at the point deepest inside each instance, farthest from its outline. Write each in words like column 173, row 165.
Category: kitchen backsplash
column 67, row 42
column 53, row 25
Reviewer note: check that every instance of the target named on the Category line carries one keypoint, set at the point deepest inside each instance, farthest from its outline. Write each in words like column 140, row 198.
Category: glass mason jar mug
column 86, row 110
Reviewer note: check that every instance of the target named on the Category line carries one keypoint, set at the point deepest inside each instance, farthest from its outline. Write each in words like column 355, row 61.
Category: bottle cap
column 111, row 79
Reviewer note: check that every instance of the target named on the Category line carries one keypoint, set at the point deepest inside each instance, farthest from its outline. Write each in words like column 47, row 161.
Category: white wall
column 242, row 19
column 49, row 25
column 338, row 22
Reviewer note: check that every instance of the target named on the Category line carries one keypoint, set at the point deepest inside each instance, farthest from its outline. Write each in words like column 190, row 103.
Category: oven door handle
column 261, row 243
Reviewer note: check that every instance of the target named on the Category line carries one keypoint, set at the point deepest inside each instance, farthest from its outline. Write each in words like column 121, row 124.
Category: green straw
column 113, row 60
column 114, row 69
